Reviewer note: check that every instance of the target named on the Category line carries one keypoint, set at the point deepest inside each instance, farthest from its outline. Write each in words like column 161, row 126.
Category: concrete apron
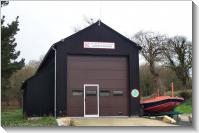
column 110, row 121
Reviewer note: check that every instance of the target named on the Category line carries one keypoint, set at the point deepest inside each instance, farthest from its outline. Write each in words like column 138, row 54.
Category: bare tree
column 152, row 46
column 166, row 74
column 87, row 21
column 19, row 77
column 178, row 53
column 4, row 3
column 77, row 28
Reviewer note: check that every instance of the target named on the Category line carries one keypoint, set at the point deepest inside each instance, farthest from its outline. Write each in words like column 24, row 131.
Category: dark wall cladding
column 39, row 92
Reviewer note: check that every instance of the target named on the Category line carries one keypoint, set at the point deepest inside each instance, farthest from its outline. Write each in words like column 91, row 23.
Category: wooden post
column 172, row 89
column 158, row 94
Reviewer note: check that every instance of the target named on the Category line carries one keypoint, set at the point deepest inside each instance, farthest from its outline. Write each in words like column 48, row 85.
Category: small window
column 77, row 92
column 117, row 93
column 91, row 93
column 104, row 93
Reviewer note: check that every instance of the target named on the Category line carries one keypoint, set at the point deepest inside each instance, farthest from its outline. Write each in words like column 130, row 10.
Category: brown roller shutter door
column 110, row 73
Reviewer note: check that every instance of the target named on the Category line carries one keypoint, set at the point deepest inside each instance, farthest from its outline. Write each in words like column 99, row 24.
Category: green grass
column 185, row 107
column 15, row 119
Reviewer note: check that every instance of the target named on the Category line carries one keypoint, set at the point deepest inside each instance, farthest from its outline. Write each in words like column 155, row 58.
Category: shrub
column 186, row 95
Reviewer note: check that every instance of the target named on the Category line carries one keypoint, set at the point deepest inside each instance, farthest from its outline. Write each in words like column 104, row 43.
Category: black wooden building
column 94, row 72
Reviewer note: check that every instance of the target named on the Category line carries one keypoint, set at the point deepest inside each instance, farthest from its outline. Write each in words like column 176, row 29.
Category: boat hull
column 161, row 105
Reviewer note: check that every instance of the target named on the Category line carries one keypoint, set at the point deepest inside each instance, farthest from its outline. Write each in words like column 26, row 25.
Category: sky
column 43, row 23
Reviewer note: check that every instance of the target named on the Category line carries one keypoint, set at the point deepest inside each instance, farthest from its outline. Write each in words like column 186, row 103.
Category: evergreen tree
column 9, row 55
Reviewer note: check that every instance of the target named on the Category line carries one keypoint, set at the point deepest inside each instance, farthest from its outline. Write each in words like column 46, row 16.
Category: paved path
column 117, row 122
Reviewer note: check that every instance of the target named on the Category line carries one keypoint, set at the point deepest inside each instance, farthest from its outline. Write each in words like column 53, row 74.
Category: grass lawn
column 185, row 107
column 15, row 119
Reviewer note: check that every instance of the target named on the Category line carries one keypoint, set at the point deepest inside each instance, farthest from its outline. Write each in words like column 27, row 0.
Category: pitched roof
column 98, row 23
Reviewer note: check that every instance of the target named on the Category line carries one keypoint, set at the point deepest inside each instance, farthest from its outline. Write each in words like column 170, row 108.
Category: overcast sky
column 44, row 23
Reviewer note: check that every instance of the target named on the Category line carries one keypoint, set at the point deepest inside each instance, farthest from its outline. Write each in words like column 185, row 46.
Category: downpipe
column 55, row 85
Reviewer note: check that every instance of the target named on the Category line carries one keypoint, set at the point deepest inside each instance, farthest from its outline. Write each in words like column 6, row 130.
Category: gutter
column 55, row 85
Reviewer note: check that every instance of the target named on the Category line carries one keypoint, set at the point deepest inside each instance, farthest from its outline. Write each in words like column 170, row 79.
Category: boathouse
column 92, row 73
